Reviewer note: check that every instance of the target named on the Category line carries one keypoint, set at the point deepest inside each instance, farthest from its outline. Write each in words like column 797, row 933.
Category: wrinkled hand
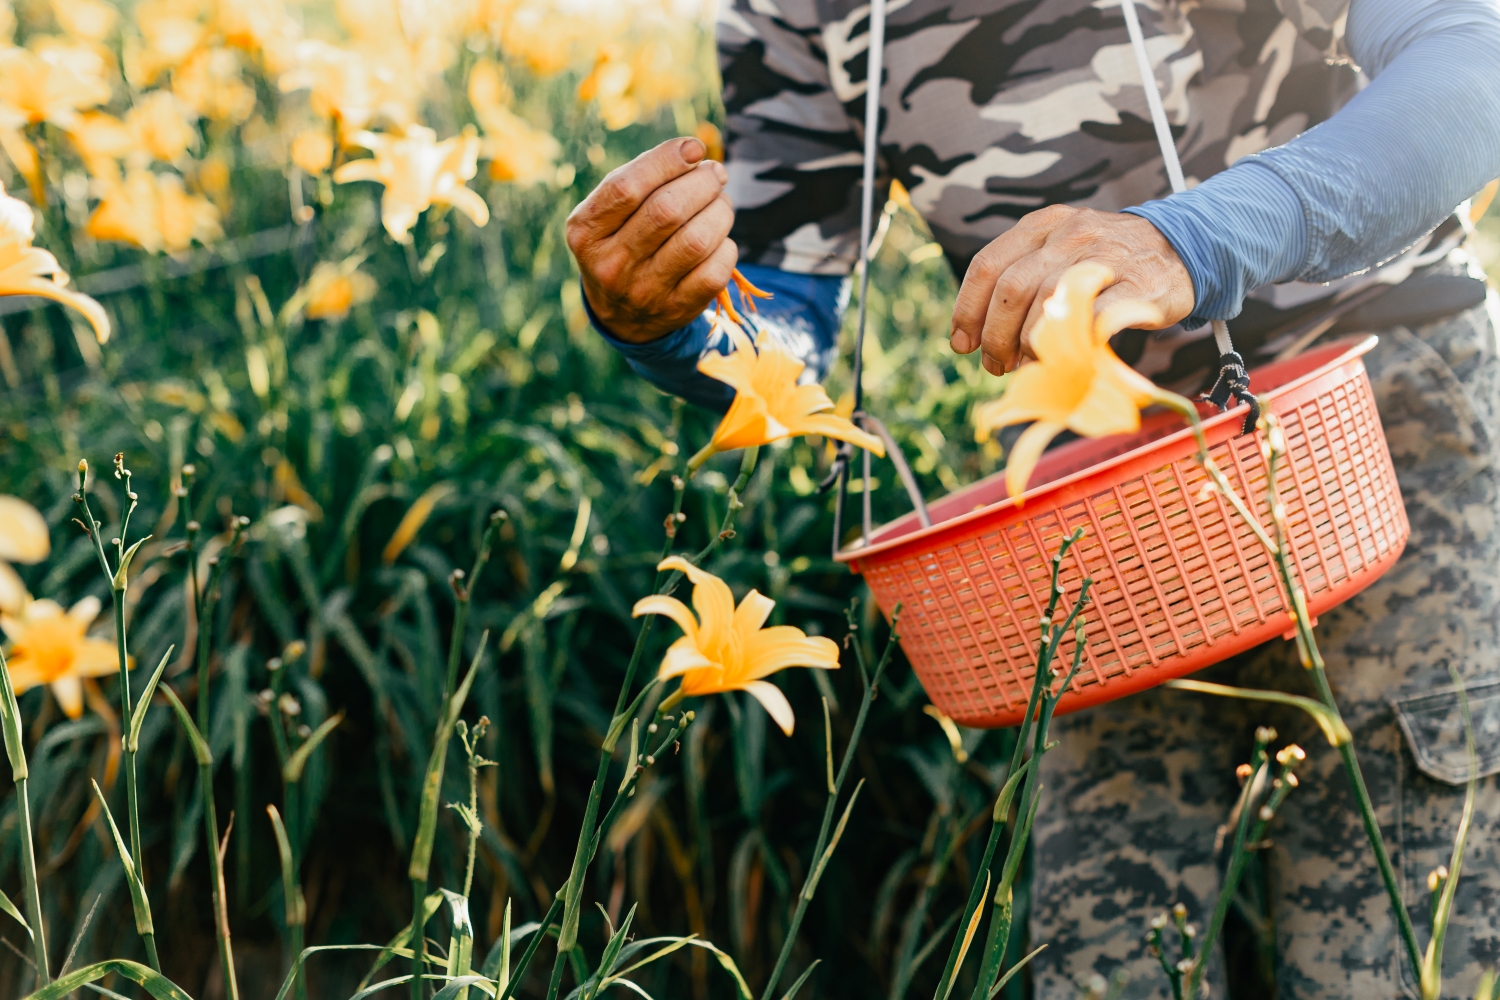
column 652, row 241
column 1009, row 280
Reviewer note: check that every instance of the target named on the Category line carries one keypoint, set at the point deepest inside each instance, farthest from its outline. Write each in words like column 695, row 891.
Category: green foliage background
column 473, row 367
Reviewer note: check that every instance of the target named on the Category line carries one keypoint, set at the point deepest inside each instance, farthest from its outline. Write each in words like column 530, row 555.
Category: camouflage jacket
column 993, row 108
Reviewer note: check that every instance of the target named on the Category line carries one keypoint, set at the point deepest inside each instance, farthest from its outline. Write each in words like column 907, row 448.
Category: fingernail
column 720, row 173
column 693, row 150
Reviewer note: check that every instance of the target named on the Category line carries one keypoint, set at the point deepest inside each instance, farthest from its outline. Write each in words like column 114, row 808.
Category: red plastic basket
column 1180, row 582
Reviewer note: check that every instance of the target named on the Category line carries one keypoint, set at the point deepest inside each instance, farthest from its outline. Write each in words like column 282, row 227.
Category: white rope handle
column 1164, row 134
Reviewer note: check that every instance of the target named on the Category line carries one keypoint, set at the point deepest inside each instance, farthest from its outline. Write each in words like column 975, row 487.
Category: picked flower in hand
column 724, row 648
column 1077, row 382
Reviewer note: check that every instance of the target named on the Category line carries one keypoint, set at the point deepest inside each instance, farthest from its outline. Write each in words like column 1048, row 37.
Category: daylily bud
column 1242, row 773
column 1265, row 734
column 1436, row 878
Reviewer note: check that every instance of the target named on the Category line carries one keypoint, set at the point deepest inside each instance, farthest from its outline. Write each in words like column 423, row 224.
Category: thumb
column 1120, row 308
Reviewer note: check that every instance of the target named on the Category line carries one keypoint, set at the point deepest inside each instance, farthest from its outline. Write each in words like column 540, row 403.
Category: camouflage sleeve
column 792, row 150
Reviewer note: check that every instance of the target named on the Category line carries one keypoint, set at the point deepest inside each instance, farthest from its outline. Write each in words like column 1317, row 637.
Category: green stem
column 1237, row 858
column 29, row 881
column 221, row 907
column 871, row 688
column 418, row 939
column 519, row 972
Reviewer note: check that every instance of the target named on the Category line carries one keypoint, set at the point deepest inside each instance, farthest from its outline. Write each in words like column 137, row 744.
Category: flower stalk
column 15, row 750
column 118, row 575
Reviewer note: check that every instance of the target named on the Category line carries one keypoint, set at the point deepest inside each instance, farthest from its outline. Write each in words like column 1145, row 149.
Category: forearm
column 1355, row 190
column 803, row 315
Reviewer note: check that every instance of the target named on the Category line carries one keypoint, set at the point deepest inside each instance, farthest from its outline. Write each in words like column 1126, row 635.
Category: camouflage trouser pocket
column 1433, row 725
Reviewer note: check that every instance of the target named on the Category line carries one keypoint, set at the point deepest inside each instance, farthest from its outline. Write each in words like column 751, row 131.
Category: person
column 1320, row 138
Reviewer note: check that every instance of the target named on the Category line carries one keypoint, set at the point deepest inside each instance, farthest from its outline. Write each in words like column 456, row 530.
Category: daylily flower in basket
column 25, row 269
column 417, row 172
column 24, row 539
column 769, row 404
column 724, row 648
column 48, row 646
column 1077, row 382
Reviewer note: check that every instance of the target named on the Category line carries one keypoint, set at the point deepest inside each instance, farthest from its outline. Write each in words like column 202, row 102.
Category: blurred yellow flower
column 51, row 84
column 160, row 126
column 724, row 648
column 89, row 19
column 153, row 211
column 264, row 27
column 312, row 150
column 1077, row 382
column 346, row 87
column 418, row 171
column 211, row 84
column 517, row 150
column 24, row 268
column 48, row 646
column 769, row 404
column 23, row 156
column 172, row 30
column 101, row 139
column 23, row 539
column 333, row 290
column 629, row 82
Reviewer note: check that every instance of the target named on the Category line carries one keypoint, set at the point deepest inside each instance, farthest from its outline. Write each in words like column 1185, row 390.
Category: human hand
column 652, row 241
column 1009, row 280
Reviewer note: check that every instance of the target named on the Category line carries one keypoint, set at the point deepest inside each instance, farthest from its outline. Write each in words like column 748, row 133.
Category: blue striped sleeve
column 1366, row 184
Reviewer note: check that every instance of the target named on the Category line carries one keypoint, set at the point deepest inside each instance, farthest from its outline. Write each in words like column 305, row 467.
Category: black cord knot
column 1233, row 383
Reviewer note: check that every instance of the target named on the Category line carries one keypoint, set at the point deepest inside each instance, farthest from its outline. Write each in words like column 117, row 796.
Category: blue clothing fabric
column 802, row 314
column 1339, row 198
column 1364, row 185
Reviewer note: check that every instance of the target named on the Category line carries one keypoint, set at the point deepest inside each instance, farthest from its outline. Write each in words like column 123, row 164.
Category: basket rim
column 1357, row 347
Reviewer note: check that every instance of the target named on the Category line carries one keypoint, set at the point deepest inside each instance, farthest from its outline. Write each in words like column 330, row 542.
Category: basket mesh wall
column 1180, row 581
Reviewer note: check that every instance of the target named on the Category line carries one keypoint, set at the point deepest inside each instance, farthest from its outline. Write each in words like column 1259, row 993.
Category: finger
column 698, row 288
column 1122, row 307
column 984, row 270
column 692, row 244
column 1011, row 300
column 1034, row 314
column 669, row 208
column 625, row 188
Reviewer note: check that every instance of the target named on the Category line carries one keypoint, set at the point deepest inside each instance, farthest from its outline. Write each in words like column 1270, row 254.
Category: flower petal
column 96, row 658
column 85, row 611
column 24, row 675
column 23, row 533
column 12, row 590
column 468, row 201
column 752, row 613
column 1026, row 452
column 774, row 702
column 48, row 289
column 357, row 170
column 671, row 607
column 1031, row 393
column 68, row 690
column 831, row 425
column 683, row 656
column 784, row 646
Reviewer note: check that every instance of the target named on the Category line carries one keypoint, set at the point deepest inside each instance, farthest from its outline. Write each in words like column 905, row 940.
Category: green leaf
column 429, row 906
column 201, row 752
column 154, row 983
column 673, row 944
column 138, row 900
column 1002, row 804
column 10, row 723
column 9, row 907
column 806, row 974
column 122, row 574
column 1333, row 727
column 995, row 990
column 460, row 940
column 838, row 831
column 432, row 781
column 296, row 909
column 458, row 988
column 138, row 715
column 291, row 773
column 611, row 953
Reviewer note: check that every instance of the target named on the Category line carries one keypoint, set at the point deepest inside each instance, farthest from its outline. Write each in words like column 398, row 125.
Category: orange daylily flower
column 417, row 172
column 517, row 150
column 24, row 539
column 769, row 404
column 25, row 269
column 1077, row 382
column 312, row 150
column 89, row 19
column 333, row 290
column 724, row 648
column 211, row 84
column 161, row 127
column 48, row 646
column 51, row 84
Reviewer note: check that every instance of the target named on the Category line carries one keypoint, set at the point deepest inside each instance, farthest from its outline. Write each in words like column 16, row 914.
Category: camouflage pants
column 1138, row 788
